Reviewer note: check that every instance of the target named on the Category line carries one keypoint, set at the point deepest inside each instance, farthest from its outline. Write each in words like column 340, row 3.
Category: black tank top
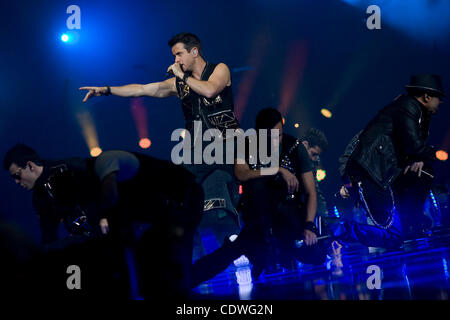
column 216, row 112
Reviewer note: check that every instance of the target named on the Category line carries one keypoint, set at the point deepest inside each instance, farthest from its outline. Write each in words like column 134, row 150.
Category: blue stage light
column 427, row 20
column 444, row 263
column 336, row 212
column 435, row 204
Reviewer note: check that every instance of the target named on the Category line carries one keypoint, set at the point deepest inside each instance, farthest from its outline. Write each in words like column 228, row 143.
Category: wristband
column 310, row 226
column 108, row 91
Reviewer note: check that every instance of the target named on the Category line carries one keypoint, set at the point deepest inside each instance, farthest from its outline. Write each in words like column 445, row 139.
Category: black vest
column 288, row 158
column 214, row 112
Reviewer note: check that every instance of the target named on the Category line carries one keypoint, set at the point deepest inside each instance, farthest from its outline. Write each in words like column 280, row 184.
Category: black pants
column 275, row 223
column 411, row 193
column 164, row 252
column 270, row 224
column 390, row 210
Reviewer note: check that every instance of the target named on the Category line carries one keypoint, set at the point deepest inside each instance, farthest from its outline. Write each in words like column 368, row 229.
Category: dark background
column 300, row 56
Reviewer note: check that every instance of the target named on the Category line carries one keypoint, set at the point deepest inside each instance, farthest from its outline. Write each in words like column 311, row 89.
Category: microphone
column 299, row 243
column 430, row 175
column 169, row 74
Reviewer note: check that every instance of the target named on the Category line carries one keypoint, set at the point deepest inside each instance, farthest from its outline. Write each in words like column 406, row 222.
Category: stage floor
column 419, row 270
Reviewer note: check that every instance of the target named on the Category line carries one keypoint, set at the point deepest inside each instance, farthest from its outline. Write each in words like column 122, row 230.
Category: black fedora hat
column 427, row 82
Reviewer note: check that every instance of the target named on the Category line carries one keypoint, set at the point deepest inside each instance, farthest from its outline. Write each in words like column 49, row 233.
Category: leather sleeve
column 343, row 159
column 407, row 127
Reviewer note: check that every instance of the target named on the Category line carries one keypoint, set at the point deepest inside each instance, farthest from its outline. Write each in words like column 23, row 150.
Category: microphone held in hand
column 169, row 74
column 299, row 243
column 428, row 174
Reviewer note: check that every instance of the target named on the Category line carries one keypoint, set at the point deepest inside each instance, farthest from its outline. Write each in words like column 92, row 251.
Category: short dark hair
column 267, row 118
column 315, row 137
column 188, row 39
column 20, row 154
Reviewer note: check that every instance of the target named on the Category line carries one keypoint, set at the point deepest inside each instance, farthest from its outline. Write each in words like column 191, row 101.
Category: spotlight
column 65, row 37
column 284, row 120
column 326, row 113
column 442, row 155
column 145, row 143
column 96, row 151
column 296, row 125
column 89, row 132
column 70, row 37
column 321, row 174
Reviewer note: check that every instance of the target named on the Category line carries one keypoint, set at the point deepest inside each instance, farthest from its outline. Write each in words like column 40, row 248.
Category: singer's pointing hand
column 93, row 92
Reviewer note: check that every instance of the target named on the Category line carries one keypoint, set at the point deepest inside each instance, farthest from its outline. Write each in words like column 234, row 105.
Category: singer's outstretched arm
column 161, row 89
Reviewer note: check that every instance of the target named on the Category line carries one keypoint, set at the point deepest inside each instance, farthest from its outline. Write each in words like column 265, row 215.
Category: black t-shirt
column 305, row 163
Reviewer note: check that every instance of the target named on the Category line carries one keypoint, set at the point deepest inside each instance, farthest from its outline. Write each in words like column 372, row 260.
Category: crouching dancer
column 106, row 195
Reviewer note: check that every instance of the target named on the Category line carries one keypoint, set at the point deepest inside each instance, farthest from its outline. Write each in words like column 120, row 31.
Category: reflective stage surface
column 419, row 270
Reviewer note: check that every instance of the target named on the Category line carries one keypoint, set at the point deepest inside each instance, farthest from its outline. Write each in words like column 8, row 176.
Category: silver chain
column 389, row 221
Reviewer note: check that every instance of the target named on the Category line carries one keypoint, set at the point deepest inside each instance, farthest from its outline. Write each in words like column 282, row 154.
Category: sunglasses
column 17, row 175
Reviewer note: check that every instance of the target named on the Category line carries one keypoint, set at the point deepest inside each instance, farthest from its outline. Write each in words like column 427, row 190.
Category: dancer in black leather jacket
column 391, row 164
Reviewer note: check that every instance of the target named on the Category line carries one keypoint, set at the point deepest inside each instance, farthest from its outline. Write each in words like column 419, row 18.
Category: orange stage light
column 145, row 143
column 96, row 151
column 326, row 113
column 442, row 155
column 321, row 174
